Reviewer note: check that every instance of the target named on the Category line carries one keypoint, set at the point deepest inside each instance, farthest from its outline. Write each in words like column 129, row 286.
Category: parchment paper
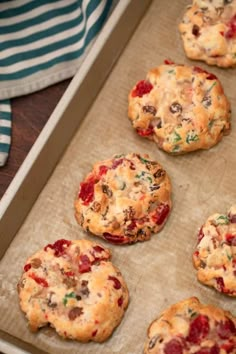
column 158, row 272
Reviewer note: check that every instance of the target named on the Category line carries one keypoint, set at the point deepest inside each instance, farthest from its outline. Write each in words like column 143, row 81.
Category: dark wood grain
column 30, row 113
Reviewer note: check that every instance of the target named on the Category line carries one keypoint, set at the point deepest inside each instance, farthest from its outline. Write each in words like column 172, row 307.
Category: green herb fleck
column 191, row 137
column 177, row 137
column 176, row 148
column 68, row 296
column 211, row 123
column 123, row 186
column 150, row 180
column 222, row 219
column 171, row 71
column 143, row 160
column 229, row 256
column 143, row 176
column 211, row 87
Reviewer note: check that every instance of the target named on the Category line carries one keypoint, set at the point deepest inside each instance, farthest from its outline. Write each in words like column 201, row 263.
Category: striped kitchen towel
column 42, row 42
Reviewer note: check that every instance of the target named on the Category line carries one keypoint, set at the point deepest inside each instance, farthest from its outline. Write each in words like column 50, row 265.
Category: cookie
column 208, row 31
column 191, row 327
column 74, row 287
column 124, row 199
column 181, row 108
column 215, row 255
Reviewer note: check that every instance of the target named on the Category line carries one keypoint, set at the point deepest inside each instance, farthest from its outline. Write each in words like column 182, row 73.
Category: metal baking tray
column 90, row 124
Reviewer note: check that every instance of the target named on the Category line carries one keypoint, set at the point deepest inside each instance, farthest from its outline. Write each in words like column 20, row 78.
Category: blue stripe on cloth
column 5, row 130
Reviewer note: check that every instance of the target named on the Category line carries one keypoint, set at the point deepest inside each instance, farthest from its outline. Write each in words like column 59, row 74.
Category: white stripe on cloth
column 47, row 57
column 4, row 107
column 29, row 15
column 5, row 139
column 3, row 158
column 7, row 5
column 5, row 123
column 45, row 41
column 41, row 26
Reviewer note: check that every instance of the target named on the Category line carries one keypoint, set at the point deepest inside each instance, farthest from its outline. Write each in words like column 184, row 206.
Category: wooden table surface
column 29, row 113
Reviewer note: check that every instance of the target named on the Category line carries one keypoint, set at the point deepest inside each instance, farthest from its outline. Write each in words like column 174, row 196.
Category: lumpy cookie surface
column 190, row 327
column 74, row 287
column 124, row 199
column 182, row 108
column 208, row 31
column 215, row 255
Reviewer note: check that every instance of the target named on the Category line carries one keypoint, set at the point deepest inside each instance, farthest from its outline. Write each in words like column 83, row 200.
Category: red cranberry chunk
column 161, row 214
column 94, row 333
column 213, row 350
column 39, row 280
column 231, row 33
column 142, row 88
column 116, row 282
column 145, row 132
column 173, row 347
column 226, row 329
column 199, row 329
column 87, row 191
column 98, row 249
column 58, row 247
column 230, row 239
column 200, row 235
column 168, row 62
column 211, row 77
column 220, row 284
column 117, row 163
column 120, row 301
column 118, row 239
column 103, row 170
column 27, row 267
column 229, row 346
column 84, row 264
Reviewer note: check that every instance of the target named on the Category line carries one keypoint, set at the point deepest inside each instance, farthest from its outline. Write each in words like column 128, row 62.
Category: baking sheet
column 158, row 272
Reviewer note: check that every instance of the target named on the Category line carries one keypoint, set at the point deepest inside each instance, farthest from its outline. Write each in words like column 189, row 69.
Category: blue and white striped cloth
column 42, row 42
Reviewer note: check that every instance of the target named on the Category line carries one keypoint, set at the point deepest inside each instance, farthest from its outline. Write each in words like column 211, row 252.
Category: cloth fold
column 42, row 43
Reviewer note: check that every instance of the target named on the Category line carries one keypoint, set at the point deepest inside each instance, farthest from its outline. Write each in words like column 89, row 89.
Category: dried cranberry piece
column 173, row 347
column 145, row 132
column 27, row 267
column 232, row 218
column 132, row 225
column 161, row 213
column 117, row 163
column 117, row 283
column 59, row 247
column 196, row 30
column 197, row 69
column 103, row 170
column 200, row 235
column 120, row 301
column 117, row 239
column 84, row 264
column 199, row 329
column 168, row 62
column 69, row 274
column 94, row 333
column 231, row 33
column 98, row 249
column 230, row 239
column 142, row 88
column 211, row 77
column 87, row 191
column 213, row 350
column 39, row 280
column 229, row 346
column 226, row 329
column 220, row 284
